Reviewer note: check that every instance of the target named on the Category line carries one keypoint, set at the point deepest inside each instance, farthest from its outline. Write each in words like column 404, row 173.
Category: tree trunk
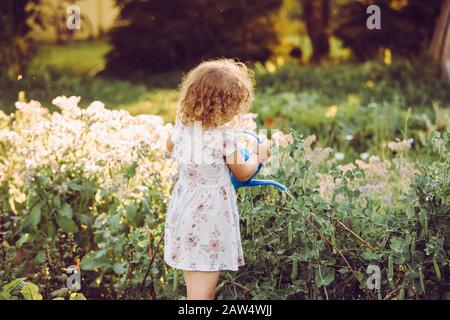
column 316, row 14
column 440, row 44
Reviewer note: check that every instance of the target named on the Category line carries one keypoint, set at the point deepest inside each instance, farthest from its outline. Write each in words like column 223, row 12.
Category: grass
column 79, row 58
column 73, row 69
column 295, row 96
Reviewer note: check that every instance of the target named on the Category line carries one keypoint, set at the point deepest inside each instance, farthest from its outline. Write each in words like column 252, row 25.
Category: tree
column 440, row 45
column 159, row 36
column 14, row 42
column 406, row 27
column 316, row 15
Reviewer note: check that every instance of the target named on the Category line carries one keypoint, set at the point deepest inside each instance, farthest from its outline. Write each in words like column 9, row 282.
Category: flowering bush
column 89, row 187
column 93, row 179
column 342, row 219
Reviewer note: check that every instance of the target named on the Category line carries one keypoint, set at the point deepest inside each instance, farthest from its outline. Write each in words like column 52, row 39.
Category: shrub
column 320, row 245
column 90, row 187
column 82, row 185
column 406, row 27
column 14, row 39
column 199, row 30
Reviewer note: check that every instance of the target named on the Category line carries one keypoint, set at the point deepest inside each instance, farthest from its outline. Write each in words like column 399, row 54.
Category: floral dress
column 202, row 224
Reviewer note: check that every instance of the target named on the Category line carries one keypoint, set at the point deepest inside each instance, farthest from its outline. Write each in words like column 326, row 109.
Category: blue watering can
column 254, row 182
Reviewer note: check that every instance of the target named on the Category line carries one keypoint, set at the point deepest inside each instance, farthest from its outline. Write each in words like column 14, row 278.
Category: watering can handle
column 250, row 182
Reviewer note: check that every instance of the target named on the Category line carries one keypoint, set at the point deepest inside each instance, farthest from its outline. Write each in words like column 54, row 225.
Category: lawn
column 79, row 58
column 73, row 69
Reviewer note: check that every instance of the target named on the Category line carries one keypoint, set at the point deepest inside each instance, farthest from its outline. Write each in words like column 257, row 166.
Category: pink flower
column 201, row 207
column 192, row 240
column 213, row 246
column 192, row 174
column 224, row 192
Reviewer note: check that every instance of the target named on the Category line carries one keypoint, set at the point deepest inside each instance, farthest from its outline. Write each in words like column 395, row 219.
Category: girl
column 202, row 225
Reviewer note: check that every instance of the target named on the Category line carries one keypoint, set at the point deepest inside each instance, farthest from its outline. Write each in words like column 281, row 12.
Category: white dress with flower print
column 202, row 224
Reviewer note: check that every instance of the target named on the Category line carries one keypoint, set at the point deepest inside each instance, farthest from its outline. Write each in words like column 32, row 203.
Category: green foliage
column 292, row 248
column 310, row 248
column 197, row 30
column 19, row 289
column 14, row 41
column 406, row 28
column 75, row 59
column 354, row 108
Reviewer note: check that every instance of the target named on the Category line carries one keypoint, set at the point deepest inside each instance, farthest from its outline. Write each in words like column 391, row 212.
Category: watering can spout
column 254, row 183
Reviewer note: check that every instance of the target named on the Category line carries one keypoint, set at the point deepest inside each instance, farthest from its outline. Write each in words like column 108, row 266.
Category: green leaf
column 120, row 268
column 66, row 211
column 401, row 294
column 77, row 296
column 35, row 215
column 421, row 278
column 40, row 257
column 130, row 172
column 86, row 219
column 57, row 201
column 410, row 212
column 30, row 291
column 437, row 270
column 51, row 229
column 24, row 238
column 10, row 286
column 175, row 281
column 145, row 205
column 114, row 221
column 67, row 224
column 131, row 211
column 294, row 271
column 390, row 271
column 290, row 233
column 95, row 260
column 324, row 277
column 423, row 219
column 74, row 186
column 59, row 293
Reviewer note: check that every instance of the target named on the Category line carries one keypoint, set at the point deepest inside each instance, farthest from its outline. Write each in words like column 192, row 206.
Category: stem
column 151, row 262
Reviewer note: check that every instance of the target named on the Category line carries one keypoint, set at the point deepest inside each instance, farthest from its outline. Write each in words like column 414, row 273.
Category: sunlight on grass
column 80, row 58
column 161, row 102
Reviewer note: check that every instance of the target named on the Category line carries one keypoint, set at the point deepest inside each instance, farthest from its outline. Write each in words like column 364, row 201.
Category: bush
column 178, row 34
column 90, row 187
column 81, row 187
column 406, row 27
column 16, row 45
column 355, row 109
column 343, row 219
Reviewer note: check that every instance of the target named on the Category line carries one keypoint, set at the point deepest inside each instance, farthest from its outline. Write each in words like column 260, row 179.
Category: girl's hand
column 264, row 150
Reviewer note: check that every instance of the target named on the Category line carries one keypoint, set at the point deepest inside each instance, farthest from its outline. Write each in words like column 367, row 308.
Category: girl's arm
column 169, row 143
column 242, row 170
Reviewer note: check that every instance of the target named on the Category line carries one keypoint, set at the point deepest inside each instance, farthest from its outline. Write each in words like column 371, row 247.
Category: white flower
column 400, row 146
column 339, row 156
column 364, row 155
column 244, row 121
column 349, row 137
column 347, row 167
column 281, row 139
column 100, row 143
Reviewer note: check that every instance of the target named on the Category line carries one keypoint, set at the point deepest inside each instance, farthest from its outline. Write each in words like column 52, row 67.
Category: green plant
column 201, row 30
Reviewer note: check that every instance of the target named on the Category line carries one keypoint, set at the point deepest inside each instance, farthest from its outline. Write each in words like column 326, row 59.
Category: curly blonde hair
column 215, row 92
